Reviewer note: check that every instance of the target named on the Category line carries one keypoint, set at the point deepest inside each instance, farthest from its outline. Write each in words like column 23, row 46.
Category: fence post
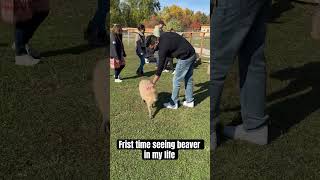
column 128, row 37
column 201, row 46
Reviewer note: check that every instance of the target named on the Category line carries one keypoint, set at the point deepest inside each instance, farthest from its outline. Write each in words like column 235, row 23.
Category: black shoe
column 139, row 73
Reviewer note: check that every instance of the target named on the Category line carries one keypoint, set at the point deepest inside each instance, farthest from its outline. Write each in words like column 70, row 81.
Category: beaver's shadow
column 163, row 97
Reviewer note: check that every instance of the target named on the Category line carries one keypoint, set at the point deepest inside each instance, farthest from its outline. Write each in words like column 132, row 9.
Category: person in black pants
column 24, row 31
column 117, row 50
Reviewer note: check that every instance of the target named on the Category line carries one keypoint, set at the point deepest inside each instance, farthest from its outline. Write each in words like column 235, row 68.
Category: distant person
column 175, row 46
column 96, row 32
column 24, row 31
column 141, row 48
column 248, row 43
column 117, row 50
column 157, row 31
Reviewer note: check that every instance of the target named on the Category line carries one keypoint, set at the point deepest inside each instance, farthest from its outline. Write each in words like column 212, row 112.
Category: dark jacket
column 116, row 46
column 172, row 45
column 140, row 44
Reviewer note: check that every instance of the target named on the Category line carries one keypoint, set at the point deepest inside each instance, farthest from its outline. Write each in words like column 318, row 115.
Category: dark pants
column 99, row 19
column 169, row 64
column 25, row 30
column 239, row 29
column 118, row 71
column 142, row 63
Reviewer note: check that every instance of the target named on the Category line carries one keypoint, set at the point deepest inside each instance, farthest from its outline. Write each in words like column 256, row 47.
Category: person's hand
column 141, row 54
column 150, row 86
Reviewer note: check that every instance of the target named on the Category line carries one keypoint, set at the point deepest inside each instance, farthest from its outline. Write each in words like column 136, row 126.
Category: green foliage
column 132, row 12
column 174, row 24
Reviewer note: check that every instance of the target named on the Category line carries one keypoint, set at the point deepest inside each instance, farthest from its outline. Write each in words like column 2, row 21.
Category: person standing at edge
column 117, row 50
column 239, row 29
column 175, row 46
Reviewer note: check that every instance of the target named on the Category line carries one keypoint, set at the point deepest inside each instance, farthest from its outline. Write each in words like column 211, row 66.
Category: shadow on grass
column 3, row 44
column 146, row 74
column 295, row 102
column 278, row 8
column 281, row 6
column 70, row 50
column 202, row 93
column 163, row 97
column 302, row 97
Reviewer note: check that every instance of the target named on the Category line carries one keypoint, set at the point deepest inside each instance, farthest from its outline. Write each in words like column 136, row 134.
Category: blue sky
column 195, row 5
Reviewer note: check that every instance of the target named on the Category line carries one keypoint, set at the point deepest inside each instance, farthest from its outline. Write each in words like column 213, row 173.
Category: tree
column 175, row 25
column 195, row 25
column 153, row 21
column 132, row 12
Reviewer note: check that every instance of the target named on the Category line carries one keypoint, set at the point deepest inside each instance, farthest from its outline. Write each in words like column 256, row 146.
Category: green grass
column 293, row 62
column 129, row 120
column 49, row 120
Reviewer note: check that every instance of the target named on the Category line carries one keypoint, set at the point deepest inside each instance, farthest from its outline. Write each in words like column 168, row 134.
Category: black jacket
column 140, row 44
column 172, row 45
column 116, row 46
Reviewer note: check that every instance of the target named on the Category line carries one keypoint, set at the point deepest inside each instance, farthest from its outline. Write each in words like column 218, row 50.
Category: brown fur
column 101, row 91
column 149, row 96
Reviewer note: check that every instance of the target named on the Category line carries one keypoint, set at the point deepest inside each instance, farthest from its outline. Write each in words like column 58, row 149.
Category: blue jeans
column 240, row 30
column 100, row 16
column 142, row 62
column 184, row 71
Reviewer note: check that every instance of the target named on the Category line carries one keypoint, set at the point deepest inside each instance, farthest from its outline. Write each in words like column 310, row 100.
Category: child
column 141, row 48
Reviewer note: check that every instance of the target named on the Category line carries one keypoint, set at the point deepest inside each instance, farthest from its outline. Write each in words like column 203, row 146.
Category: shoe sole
column 25, row 63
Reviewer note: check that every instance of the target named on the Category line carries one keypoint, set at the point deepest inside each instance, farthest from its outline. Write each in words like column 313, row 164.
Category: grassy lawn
column 129, row 120
column 49, row 120
column 293, row 61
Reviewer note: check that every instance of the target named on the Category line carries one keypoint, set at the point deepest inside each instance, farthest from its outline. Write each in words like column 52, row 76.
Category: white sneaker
column 118, row 80
column 186, row 104
column 165, row 70
column 35, row 54
column 174, row 72
column 146, row 60
column 26, row 60
column 118, row 77
column 169, row 106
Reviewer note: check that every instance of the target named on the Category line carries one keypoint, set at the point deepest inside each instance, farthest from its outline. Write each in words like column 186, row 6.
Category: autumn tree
column 132, row 12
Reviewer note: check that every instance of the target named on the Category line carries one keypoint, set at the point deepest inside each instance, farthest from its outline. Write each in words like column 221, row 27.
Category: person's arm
column 162, row 59
column 155, row 80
